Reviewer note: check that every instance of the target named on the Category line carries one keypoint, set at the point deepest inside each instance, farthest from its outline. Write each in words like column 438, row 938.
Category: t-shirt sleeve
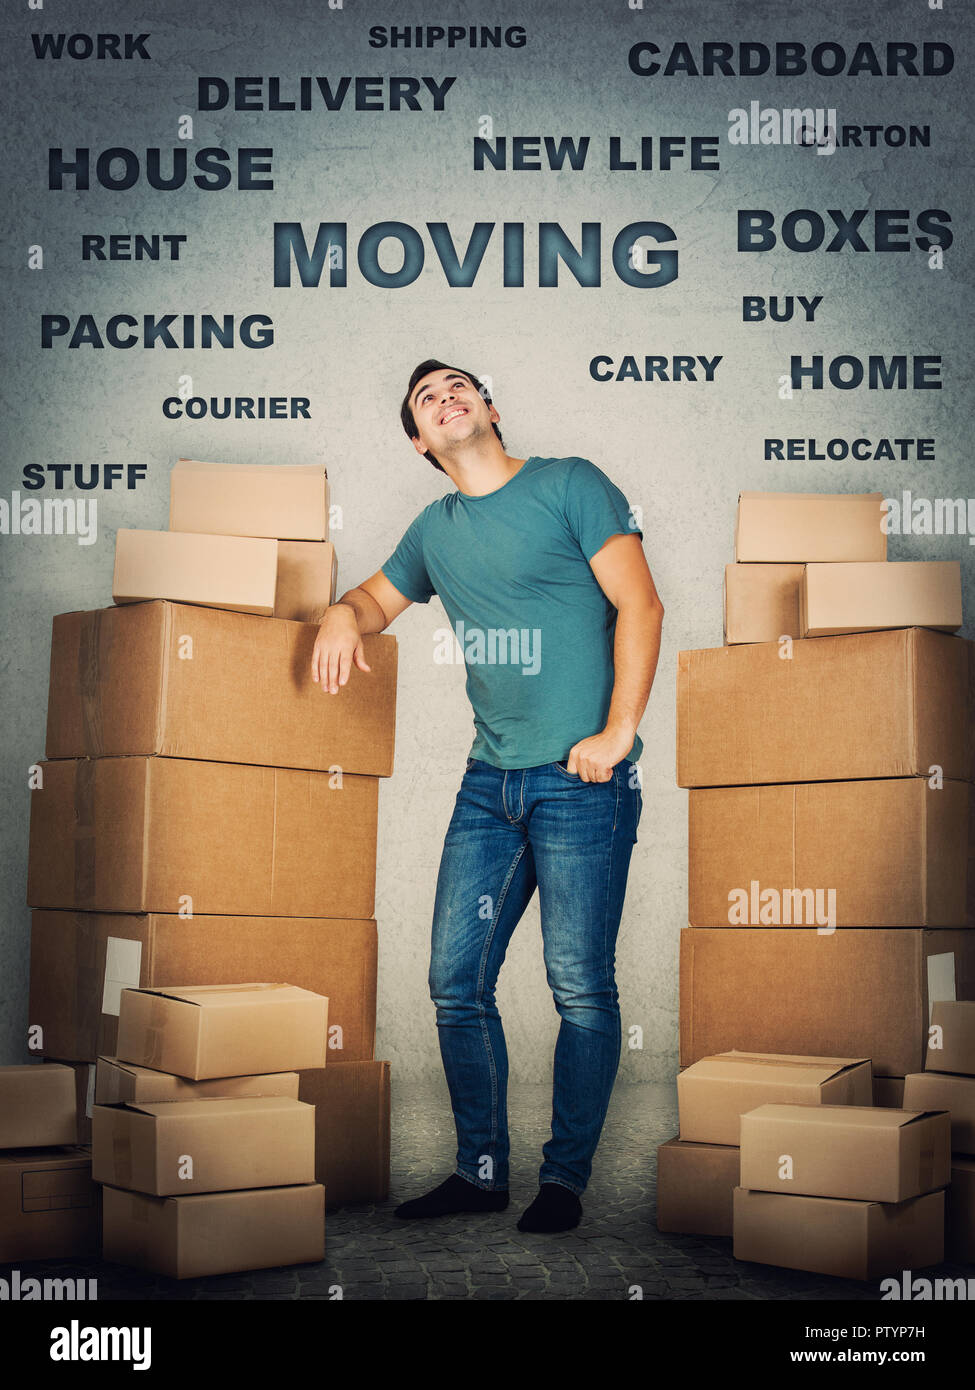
column 595, row 508
column 406, row 568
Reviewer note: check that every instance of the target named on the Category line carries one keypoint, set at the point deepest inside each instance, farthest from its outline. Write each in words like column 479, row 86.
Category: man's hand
column 337, row 646
column 594, row 758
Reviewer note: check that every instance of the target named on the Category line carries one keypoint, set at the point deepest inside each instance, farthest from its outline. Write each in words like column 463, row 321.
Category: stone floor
column 615, row 1254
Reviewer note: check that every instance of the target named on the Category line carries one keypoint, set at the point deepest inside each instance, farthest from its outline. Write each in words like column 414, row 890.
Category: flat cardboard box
column 960, row 1211
column 49, row 1207
column 860, row 1152
column 307, row 574
column 930, row 1090
column 81, row 961
column 217, row 571
column 286, row 501
column 894, row 852
column 117, row 1083
column 801, row 526
column 871, row 597
column 951, row 1043
column 833, row 1235
column 761, row 603
column 888, row 1091
column 37, row 1106
column 714, row 1093
column 178, row 836
column 695, row 1183
column 214, row 1144
column 351, row 1101
column 855, row 993
column 189, row 682
column 215, row 1232
column 874, row 704
column 203, row 1031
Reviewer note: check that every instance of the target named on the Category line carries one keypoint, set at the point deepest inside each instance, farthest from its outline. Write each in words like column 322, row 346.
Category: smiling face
column 449, row 410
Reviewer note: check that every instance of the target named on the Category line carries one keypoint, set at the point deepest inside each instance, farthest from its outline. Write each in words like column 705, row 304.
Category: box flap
column 856, row 1116
column 217, row 1105
column 774, row 1069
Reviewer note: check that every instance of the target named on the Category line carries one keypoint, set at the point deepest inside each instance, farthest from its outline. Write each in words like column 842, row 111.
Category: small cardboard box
column 855, row 1151
column 37, row 1106
column 351, row 1101
column 960, row 1211
column 951, row 1043
column 932, row 1090
column 284, row 501
column 215, row 1232
column 49, row 1207
column 870, row 597
column 203, row 1031
column 714, row 1093
column 695, row 1183
column 117, row 1083
column 761, row 603
column 802, row 526
column 307, row 573
column 214, row 1144
column 873, row 704
column 216, row 571
column 833, row 1235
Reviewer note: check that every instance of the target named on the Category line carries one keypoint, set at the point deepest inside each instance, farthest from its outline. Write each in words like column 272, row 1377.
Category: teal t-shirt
column 536, row 630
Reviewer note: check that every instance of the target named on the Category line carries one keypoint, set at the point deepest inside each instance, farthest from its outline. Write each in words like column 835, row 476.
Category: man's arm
column 370, row 607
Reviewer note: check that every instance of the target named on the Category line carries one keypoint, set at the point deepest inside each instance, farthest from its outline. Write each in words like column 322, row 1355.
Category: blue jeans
column 513, row 830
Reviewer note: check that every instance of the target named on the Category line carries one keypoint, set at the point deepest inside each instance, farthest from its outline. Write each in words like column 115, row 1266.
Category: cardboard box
column 853, row 993
column 172, row 835
column 351, row 1101
column 203, row 1031
column 714, row 1093
column 307, row 574
column 81, row 961
column 761, row 603
column 49, row 1207
column 217, row 571
column 802, row 526
column 888, row 1091
column 930, row 1090
column 855, row 1151
column 286, row 501
column 189, row 682
column 951, row 1043
column 832, row 1235
column 37, row 1106
column 231, row 1143
column 695, row 1183
column 960, row 1211
column 870, row 597
column 117, row 1083
column 877, row 704
column 215, row 1232
column 888, row 853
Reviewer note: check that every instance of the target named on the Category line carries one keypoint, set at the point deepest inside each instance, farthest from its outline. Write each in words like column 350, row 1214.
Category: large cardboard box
column 49, row 1207
column 351, row 1101
column 761, row 603
column 960, row 1211
column 894, row 852
column 286, row 501
column 951, row 1043
column 214, row 1232
column 203, row 1031
column 869, row 597
column 218, row 571
column 307, row 573
column 117, row 1083
column 715, row 1092
column 695, row 1183
column 876, row 704
column 794, row 526
column 191, row 682
column 833, row 1235
column 178, row 836
column 855, row 1151
column 214, row 1144
column 81, row 961
column 850, row 994
column 931, row 1090
column 37, row 1106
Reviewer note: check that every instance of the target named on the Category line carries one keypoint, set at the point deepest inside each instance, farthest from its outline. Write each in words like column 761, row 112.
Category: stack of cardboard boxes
column 207, row 813
column 828, row 752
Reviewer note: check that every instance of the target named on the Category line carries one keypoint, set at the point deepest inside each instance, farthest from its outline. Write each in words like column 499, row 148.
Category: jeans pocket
column 572, row 776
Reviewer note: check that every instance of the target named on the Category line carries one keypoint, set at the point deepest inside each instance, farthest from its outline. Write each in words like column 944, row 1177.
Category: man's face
column 448, row 410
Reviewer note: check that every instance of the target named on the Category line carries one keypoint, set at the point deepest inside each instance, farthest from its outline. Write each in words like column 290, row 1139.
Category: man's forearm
column 368, row 614
column 636, row 649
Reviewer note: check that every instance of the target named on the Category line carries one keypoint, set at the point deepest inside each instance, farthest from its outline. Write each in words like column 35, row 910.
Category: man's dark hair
column 406, row 410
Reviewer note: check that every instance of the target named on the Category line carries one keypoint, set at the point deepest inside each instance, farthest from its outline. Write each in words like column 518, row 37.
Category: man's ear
column 418, row 445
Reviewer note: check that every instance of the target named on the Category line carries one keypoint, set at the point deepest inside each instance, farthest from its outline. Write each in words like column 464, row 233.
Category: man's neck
column 478, row 473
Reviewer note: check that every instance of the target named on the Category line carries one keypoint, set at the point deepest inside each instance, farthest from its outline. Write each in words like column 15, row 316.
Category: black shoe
column 554, row 1209
column 454, row 1195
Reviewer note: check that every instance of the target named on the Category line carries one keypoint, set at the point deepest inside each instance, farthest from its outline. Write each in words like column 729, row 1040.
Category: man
column 541, row 571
